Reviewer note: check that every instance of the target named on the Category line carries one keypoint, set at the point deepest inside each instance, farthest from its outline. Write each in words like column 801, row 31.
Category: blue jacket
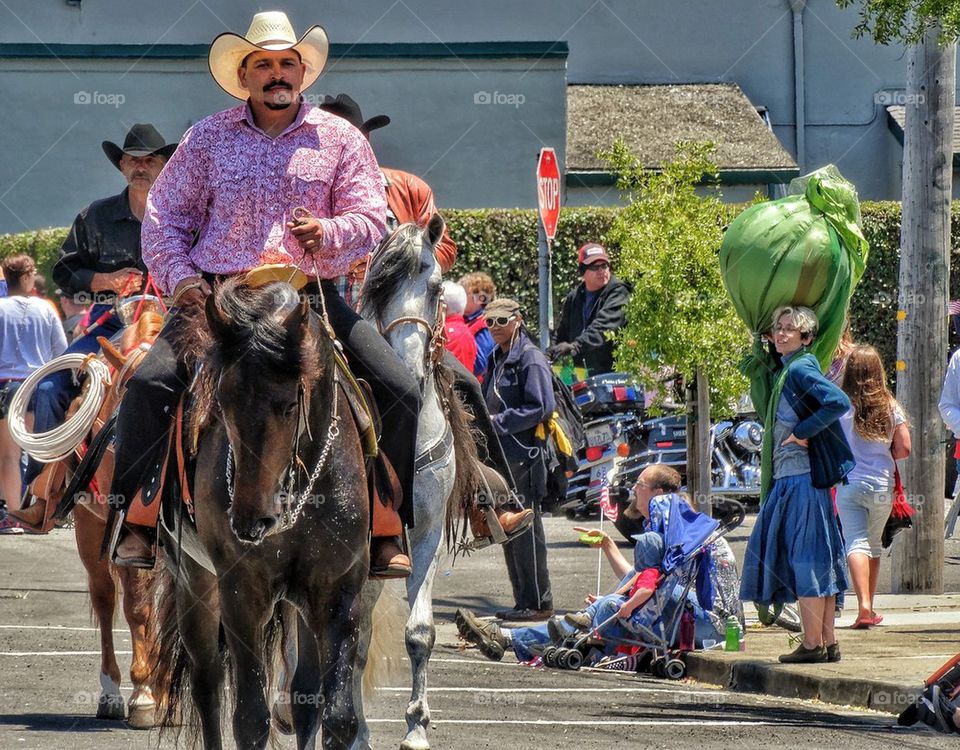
column 485, row 342
column 518, row 389
column 819, row 404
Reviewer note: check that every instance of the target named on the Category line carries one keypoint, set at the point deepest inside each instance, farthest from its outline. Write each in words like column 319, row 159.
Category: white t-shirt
column 875, row 464
column 30, row 336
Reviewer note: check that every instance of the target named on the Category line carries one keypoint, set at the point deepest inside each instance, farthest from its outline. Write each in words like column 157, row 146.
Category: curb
column 786, row 681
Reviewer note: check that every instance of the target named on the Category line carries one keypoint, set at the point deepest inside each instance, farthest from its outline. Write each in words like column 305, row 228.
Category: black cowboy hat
column 142, row 140
column 344, row 106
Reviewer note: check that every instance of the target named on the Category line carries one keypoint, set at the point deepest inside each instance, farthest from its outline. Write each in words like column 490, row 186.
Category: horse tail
column 386, row 653
column 171, row 674
column 467, row 479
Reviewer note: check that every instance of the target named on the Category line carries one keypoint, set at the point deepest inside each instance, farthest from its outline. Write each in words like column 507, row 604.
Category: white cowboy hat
column 268, row 31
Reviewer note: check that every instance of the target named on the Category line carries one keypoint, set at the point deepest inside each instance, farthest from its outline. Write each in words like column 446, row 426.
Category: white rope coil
column 60, row 442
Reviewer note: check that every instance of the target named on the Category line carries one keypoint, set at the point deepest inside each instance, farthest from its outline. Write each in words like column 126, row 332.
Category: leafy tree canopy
column 906, row 21
column 679, row 316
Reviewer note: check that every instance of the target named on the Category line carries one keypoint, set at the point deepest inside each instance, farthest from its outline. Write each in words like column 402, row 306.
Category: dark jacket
column 819, row 404
column 518, row 389
column 591, row 348
column 105, row 237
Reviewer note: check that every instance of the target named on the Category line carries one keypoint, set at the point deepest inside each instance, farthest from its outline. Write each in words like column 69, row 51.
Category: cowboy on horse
column 274, row 180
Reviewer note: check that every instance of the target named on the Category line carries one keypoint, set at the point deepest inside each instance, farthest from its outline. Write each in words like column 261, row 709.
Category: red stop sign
column 548, row 191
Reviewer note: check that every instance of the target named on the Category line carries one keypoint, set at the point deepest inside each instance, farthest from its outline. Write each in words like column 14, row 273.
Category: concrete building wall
column 475, row 155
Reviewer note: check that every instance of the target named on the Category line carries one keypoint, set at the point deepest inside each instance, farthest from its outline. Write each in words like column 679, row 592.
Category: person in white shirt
column 878, row 434
column 30, row 336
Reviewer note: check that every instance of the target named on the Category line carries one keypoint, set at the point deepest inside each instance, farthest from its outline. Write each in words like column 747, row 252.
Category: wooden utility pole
column 698, row 441
column 922, row 308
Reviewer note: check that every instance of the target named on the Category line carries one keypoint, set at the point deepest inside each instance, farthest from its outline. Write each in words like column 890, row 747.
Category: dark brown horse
column 282, row 513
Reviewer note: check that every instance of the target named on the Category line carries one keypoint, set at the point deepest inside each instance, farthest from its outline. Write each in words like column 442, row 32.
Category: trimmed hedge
column 504, row 244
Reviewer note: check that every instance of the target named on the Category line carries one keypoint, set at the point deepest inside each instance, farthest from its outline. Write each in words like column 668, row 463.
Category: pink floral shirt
column 238, row 188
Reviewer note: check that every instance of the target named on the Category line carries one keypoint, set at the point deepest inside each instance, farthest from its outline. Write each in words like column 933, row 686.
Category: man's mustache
column 278, row 85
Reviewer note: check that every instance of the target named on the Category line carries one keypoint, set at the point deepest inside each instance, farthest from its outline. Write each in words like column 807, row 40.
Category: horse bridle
column 437, row 343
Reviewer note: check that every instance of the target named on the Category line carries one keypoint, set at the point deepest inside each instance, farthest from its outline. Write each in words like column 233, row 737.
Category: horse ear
column 114, row 357
column 218, row 322
column 435, row 229
column 297, row 321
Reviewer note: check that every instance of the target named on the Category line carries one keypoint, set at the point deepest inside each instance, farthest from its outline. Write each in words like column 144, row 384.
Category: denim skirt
column 795, row 549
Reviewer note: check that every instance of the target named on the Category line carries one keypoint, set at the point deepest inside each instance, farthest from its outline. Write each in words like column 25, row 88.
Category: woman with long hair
column 876, row 429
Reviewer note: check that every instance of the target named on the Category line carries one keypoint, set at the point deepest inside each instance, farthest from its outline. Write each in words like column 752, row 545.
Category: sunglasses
column 598, row 267
column 498, row 322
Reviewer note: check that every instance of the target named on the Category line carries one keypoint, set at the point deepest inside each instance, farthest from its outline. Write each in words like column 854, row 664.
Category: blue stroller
column 698, row 577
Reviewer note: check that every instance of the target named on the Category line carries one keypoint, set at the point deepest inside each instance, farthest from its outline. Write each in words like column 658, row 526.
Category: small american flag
column 953, row 307
column 609, row 510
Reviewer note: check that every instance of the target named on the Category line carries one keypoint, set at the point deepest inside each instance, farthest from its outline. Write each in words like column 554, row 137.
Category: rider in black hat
column 99, row 259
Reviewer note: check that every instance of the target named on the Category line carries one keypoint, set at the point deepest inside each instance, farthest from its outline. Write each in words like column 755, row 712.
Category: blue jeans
column 56, row 392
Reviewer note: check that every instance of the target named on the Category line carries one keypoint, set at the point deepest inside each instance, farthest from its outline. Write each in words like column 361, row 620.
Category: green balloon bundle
column 805, row 249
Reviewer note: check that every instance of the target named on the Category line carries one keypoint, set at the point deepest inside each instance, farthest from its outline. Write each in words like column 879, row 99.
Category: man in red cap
column 594, row 307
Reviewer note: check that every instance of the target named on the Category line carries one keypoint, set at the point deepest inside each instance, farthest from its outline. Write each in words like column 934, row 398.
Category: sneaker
column 526, row 615
column 9, row 526
column 579, row 620
column 833, row 652
column 555, row 629
column 803, row 655
column 486, row 635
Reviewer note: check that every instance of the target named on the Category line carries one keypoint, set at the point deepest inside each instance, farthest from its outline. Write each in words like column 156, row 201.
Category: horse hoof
column 415, row 743
column 111, row 709
column 142, row 717
column 283, row 718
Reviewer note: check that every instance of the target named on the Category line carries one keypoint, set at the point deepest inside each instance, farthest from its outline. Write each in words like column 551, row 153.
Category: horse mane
column 467, row 480
column 251, row 330
column 388, row 270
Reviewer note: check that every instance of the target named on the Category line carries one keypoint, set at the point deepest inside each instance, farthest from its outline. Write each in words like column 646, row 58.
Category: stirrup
column 143, row 562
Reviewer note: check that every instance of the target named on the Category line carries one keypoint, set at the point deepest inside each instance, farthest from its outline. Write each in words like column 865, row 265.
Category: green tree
column 679, row 315
column 906, row 21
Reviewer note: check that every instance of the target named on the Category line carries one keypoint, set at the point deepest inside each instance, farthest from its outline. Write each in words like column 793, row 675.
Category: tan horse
column 90, row 516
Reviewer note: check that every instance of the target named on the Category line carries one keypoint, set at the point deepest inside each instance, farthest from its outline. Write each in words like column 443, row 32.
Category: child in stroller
column 654, row 598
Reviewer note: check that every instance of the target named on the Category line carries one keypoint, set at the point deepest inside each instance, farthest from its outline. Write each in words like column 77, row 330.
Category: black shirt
column 105, row 237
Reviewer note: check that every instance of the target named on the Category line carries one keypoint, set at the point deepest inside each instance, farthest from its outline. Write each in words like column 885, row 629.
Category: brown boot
column 387, row 559
column 511, row 522
column 134, row 548
column 35, row 517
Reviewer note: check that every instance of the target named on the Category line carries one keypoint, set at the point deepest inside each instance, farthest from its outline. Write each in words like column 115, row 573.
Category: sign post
column 548, row 202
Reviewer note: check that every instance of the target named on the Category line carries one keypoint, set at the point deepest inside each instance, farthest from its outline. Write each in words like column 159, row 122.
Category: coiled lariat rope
column 60, row 442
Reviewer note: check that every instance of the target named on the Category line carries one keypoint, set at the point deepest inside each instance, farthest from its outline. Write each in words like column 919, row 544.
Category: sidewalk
column 882, row 669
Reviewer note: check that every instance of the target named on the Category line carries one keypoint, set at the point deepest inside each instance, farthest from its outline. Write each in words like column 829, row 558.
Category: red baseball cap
column 591, row 253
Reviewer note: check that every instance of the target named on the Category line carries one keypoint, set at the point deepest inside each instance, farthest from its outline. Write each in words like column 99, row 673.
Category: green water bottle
column 732, row 635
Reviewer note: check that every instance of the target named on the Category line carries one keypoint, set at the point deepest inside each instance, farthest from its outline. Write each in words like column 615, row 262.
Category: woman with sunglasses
column 518, row 389
column 795, row 551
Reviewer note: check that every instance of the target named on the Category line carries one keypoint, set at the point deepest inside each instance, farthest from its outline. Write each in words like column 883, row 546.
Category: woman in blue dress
column 795, row 551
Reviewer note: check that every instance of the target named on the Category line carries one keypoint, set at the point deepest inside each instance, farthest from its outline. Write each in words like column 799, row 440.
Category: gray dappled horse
column 402, row 296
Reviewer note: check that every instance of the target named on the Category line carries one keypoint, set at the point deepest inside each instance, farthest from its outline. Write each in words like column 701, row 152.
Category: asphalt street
column 49, row 675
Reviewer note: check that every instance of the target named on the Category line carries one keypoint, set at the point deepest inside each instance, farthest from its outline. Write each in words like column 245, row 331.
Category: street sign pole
column 548, row 204
column 545, row 273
